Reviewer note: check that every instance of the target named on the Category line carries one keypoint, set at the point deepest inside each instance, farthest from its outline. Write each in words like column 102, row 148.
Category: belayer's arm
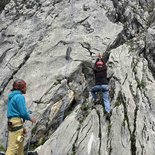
column 21, row 104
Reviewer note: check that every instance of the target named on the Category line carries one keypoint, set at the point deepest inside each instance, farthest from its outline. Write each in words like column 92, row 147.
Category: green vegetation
column 74, row 150
column 141, row 84
column 41, row 141
column 84, row 107
column 2, row 148
column 117, row 103
column 109, row 129
column 130, row 43
column 84, row 112
column 118, row 100
column 34, row 130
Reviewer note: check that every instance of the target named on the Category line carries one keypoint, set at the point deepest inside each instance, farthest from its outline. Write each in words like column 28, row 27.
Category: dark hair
column 19, row 84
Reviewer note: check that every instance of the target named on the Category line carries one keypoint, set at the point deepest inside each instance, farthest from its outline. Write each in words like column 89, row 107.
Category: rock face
column 52, row 45
column 3, row 3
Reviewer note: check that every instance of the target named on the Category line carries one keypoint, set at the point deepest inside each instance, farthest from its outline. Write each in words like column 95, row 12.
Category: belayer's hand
column 24, row 132
column 33, row 120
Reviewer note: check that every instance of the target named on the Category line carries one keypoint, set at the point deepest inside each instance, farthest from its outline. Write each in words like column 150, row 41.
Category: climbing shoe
column 107, row 116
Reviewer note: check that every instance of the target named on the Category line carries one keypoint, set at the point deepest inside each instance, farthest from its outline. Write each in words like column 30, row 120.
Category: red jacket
column 100, row 74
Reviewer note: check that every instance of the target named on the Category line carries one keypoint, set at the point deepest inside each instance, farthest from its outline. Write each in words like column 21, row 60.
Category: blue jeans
column 105, row 94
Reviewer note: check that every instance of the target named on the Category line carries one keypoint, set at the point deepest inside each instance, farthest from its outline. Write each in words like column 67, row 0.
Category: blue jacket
column 17, row 105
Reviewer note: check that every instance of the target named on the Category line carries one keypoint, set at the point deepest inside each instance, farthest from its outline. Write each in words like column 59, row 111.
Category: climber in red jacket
column 101, row 84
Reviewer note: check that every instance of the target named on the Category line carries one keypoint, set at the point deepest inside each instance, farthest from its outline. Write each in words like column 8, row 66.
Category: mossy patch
column 141, row 84
column 2, row 148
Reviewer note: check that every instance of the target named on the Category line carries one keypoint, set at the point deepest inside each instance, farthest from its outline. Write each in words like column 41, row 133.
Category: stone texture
column 66, row 134
column 52, row 44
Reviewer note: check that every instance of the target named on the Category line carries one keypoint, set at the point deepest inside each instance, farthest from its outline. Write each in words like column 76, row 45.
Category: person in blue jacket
column 17, row 113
